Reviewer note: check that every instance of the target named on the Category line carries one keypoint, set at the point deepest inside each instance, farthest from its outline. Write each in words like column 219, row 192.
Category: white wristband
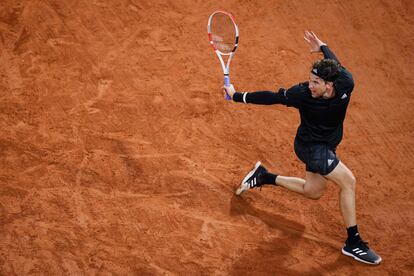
column 244, row 97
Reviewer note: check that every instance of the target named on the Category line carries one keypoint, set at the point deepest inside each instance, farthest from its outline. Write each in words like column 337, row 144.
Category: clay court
column 119, row 154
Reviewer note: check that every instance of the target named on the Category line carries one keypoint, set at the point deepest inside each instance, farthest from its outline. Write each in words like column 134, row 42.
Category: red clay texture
column 119, row 154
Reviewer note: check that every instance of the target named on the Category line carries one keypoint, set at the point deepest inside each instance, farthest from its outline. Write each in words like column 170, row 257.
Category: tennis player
column 322, row 103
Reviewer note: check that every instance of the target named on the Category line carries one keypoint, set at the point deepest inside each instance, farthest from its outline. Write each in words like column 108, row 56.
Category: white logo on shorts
column 330, row 161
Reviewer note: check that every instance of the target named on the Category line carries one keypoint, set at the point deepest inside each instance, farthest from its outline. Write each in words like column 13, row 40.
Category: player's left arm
column 316, row 45
column 345, row 81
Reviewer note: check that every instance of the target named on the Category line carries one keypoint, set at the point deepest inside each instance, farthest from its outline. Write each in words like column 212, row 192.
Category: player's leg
column 345, row 179
column 313, row 186
column 354, row 245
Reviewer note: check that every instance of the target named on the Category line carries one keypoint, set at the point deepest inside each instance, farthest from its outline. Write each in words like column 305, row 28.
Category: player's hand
column 229, row 90
column 314, row 42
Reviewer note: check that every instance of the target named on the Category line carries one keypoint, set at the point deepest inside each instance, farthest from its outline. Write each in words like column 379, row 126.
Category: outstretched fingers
column 309, row 36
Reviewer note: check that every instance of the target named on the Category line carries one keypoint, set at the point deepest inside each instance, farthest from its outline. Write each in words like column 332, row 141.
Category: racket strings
column 223, row 33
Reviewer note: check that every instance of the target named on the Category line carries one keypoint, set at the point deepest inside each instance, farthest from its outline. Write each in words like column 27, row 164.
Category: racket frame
column 224, row 66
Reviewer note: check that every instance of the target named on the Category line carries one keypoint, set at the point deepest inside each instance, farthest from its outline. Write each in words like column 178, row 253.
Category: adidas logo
column 330, row 161
column 344, row 96
column 253, row 183
column 359, row 251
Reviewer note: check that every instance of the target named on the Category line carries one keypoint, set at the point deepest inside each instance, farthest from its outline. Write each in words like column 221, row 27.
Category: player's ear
column 329, row 84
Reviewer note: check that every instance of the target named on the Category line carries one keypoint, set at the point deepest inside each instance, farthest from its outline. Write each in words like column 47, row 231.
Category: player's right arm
column 288, row 97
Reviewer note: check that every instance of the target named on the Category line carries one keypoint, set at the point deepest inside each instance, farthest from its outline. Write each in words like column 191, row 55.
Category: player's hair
column 326, row 69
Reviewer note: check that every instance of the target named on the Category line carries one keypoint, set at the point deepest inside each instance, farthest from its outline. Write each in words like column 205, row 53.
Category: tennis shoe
column 253, row 179
column 361, row 252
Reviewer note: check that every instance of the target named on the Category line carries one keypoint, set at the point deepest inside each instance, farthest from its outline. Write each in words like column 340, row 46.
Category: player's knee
column 350, row 182
column 353, row 181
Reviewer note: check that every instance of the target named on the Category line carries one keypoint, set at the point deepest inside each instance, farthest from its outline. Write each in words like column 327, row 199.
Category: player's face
column 317, row 86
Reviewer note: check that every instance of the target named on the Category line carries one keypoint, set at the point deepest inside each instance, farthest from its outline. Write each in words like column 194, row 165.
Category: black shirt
column 321, row 119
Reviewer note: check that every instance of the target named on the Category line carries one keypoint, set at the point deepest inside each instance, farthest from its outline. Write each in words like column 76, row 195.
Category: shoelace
column 363, row 245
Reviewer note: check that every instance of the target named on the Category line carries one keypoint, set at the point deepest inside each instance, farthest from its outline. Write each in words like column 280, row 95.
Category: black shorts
column 319, row 157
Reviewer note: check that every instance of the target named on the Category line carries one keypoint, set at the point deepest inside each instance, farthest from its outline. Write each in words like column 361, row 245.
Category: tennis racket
column 223, row 34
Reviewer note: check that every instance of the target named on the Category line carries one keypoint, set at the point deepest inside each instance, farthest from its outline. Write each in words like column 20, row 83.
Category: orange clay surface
column 119, row 155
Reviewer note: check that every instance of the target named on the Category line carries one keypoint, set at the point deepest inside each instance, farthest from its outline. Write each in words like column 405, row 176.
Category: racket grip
column 227, row 83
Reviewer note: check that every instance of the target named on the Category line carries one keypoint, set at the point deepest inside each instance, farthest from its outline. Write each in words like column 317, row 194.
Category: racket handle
column 227, row 83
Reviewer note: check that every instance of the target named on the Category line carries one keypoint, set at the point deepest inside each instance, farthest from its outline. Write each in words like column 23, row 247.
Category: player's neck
column 330, row 93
